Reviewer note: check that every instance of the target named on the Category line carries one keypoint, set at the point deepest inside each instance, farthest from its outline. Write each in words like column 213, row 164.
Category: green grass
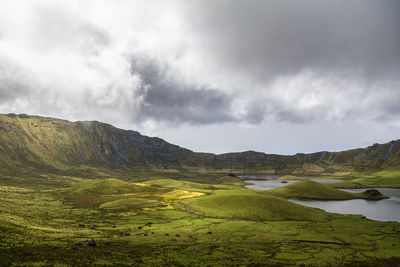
column 135, row 224
column 308, row 189
column 108, row 186
column 37, row 145
column 100, row 191
column 52, row 201
column 242, row 204
column 385, row 178
column 130, row 204
column 176, row 184
column 290, row 178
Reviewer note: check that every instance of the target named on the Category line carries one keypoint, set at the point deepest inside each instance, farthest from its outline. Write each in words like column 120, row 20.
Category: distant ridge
column 33, row 143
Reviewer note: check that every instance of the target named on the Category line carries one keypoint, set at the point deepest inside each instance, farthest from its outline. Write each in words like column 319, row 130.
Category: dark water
column 380, row 210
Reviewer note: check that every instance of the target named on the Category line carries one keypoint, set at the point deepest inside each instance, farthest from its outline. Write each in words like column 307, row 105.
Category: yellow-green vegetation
column 37, row 145
column 89, row 194
column 308, row 189
column 130, row 204
column 170, row 183
column 290, row 178
column 110, row 186
column 247, row 205
column 105, row 190
column 384, row 178
column 169, row 222
column 181, row 194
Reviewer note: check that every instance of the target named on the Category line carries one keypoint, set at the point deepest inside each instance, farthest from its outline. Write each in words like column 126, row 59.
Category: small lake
column 379, row 210
column 269, row 182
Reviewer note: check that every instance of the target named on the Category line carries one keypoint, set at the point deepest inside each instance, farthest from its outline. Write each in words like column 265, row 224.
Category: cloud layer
column 202, row 62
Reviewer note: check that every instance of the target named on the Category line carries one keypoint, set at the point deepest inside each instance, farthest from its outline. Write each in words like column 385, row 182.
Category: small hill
column 290, row 178
column 130, row 203
column 100, row 191
column 176, row 184
column 109, row 186
column 244, row 205
column 307, row 189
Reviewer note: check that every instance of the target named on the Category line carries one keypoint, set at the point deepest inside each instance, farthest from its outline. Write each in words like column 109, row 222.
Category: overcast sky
column 280, row 76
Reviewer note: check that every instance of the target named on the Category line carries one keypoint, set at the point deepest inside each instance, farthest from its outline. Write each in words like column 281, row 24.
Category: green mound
column 291, row 177
column 130, row 204
column 171, row 183
column 230, row 180
column 109, row 186
column 312, row 190
column 373, row 194
column 94, row 193
column 247, row 205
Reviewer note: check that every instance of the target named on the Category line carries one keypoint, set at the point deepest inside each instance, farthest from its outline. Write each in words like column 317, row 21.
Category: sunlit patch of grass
column 290, row 177
column 181, row 194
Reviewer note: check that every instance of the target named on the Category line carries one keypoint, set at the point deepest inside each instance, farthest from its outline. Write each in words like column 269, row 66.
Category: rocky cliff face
column 36, row 143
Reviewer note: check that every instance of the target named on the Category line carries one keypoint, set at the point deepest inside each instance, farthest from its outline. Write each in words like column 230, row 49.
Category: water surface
column 379, row 210
column 271, row 182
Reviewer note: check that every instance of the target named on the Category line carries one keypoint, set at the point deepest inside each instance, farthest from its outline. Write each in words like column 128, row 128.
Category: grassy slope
column 312, row 190
column 290, row 178
column 46, row 205
column 228, row 226
column 34, row 144
column 242, row 204
column 130, row 204
column 31, row 144
column 383, row 178
column 110, row 186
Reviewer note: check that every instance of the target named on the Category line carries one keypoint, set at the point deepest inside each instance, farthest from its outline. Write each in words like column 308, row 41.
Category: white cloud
column 215, row 62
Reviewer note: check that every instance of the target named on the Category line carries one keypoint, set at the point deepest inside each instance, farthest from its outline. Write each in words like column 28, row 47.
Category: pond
column 270, row 182
column 379, row 210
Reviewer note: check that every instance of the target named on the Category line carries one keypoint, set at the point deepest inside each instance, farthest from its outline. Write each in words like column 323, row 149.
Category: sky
column 280, row 76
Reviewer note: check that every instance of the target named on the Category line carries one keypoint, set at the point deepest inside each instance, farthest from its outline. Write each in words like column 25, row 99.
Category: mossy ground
column 160, row 220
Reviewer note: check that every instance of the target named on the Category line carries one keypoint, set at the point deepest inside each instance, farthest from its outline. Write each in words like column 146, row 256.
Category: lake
column 271, row 183
column 379, row 210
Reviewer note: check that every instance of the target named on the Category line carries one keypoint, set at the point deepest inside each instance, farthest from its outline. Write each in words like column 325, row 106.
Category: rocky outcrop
column 373, row 194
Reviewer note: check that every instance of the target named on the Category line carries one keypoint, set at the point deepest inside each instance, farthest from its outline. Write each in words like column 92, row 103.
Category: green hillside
column 89, row 194
column 241, row 204
column 32, row 144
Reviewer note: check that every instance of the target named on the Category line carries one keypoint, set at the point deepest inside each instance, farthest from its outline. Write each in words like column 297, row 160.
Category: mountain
column 36, row 144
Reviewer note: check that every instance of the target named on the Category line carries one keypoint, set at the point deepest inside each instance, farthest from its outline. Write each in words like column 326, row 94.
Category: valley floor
column 156, row 219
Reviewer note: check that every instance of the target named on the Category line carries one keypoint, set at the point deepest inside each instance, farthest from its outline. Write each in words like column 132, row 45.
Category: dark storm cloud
column 202, row 62
column 271, row 38
column 169, row 100
column 351, row 47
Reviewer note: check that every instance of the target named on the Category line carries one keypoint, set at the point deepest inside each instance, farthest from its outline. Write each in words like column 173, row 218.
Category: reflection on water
column 380, row 210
